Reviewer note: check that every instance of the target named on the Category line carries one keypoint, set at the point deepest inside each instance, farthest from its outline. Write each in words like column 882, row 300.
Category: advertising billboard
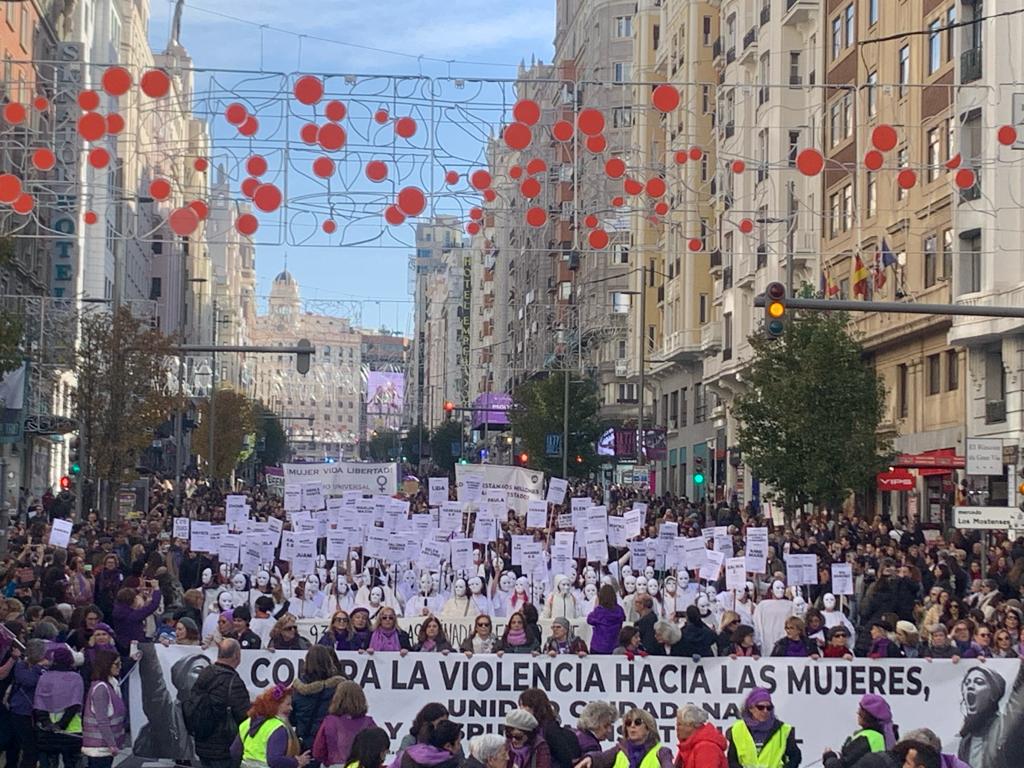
column 385, row 399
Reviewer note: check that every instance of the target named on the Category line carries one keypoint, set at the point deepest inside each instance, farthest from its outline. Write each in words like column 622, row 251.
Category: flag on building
column 860, row 277
column 879, row 270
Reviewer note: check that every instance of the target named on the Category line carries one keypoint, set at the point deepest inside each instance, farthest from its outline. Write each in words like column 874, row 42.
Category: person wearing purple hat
column 759, row 739
column 877, row 734
column 58, row 710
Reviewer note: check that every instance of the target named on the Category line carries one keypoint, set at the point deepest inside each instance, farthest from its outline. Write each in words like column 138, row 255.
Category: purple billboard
column 491, row 408
column 385, row 399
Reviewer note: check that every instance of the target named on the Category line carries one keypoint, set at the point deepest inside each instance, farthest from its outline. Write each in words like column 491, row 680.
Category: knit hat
column 996, row 682
column 62, row 659
column 227, row 615
column 879, row 709
column 521, row 720
column 562, row 622
column 906, row 627
column 757, row 696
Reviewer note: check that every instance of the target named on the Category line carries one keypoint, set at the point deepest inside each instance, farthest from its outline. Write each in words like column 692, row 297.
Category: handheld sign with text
column 438, row 491
column 842, row 579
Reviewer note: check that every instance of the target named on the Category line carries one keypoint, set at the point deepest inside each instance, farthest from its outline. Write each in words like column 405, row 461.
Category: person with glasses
column 837, row 646
column 483, row 639
column 640, row 748
column 339, row 633
column 759, row 739
column 387, row 635
column 359, row 639
column 981, row 645
column 795, row 644
column 1003, row 647
column 563, row 641
column 526, row 744
column 285, row 635
column 431, row 637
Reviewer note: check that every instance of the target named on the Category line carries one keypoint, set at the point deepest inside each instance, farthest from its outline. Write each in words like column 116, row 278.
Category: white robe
column 560, row 606
column 730, row 602
column 483, row 604
column 421, row 605
column 837, row 617
column 770, row 622
column 459, row 608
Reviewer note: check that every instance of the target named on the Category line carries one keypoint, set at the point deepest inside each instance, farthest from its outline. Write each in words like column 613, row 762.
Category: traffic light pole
column 899, row 307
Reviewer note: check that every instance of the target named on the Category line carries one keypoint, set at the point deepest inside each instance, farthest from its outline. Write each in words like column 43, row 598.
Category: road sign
column 984, row 456
column 553, row 444
column 988, row 518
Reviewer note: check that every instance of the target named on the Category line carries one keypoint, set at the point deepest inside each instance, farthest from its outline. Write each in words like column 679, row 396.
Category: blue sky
column 499, row 33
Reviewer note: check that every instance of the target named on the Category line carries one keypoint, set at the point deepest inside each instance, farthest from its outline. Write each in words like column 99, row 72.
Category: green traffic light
column 76, row 468
column 698, row 478
column 463, row 461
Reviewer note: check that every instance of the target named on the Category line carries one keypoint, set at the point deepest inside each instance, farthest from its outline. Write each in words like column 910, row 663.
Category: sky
column 297, row 38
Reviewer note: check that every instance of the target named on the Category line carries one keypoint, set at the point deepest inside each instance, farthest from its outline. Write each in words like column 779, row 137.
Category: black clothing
column 227, row 689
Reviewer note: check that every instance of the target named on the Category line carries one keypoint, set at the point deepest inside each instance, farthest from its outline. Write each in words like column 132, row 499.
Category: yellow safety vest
column 772, row 753
column 650, row 760
column 254, row 746
column 876, row 741
column 74, row 727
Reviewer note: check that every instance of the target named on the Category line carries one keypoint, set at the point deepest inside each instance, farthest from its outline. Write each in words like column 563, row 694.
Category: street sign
column 553, row 444
column 984, row 456
column 988, row 518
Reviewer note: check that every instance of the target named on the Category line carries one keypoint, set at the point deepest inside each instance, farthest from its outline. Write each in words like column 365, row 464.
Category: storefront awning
column 938, row 462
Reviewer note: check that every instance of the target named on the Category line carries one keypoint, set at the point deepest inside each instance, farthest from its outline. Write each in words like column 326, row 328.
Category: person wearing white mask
column 770, row 616
column 739, row 601
column 835, row 617
column 460, row 605
column 561, row 603
column 478, row 595
column 502, row 592
column 426, row 602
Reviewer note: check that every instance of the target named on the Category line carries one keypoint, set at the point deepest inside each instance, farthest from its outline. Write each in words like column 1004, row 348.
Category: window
column 934, row 46
column 684, row 417
column 26, row 29
column 673, row 410
column 847, row 207
column 902, row 408
column 835, row 122
column 621, row 254
column 901, row 162
column 952, row 370
column 706, row 31
column 622, row 117
column 730, row 33
column 764, row 77
column 655, row 36
column 872, row 93
column 794, row 148
column 704, row 167
column 904, row 69
column 727, row 336
column 934, row 374
column 931, row 258
column 619, row 72
column 698, row 403
column 970, row 262
column 794, row 67
column 837, row 37
column 947, row 254
column 623, row 26
column 872, row 12
column 934, row 143
column 762, row 155
column 702, row 312
column 851, row 25
column 835, row 202
column 871, row 194
column 705, row 99
column 950, row 31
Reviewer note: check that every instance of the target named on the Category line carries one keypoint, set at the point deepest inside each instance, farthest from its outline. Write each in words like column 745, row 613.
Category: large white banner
column 520, row 486
column 479, row 691
column 342, row 476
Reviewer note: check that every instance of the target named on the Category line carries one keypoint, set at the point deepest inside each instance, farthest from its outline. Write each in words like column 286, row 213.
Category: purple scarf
column 635, row 752
column 381, row 640
column 516, row 637
column 56, row 691
column 758, row 730
column 520, row 756
column 796, row 648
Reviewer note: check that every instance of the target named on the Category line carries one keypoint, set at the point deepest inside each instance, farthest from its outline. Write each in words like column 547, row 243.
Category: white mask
column 262, row 579
column 590, row 592
column 626, row 571
column 435, row 581
column 312, row 585
column 799, row 605
column 409, row 579
column 629, row 582
column 224, row 571
column 506, row 582
column 321, row 561
column 460, row 588
column 564, row 585
column 207, row 576
column 711, row 592
column 652, row 586
column 476, row 585
column 238, row 582
column 778, row 589
column 226, row 601
column 537, row 592
column 477, row 557
column 704, row 605
column 641, row 586
column 684, row 578
column 342, row 586
column 521, row 584
column 376, row 596
column 649, row 572
column 426, row 584
column 829, row 601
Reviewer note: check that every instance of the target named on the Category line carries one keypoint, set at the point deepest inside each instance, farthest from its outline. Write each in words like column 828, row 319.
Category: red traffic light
column 579, row 459
column 523, row 457
column 65, row 482
column 449, row 406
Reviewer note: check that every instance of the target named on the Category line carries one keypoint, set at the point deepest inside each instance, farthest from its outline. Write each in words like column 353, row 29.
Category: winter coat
column 227, row 688
column 704, row 749
column 309, row 707
column 333, row 742
column 606, row 623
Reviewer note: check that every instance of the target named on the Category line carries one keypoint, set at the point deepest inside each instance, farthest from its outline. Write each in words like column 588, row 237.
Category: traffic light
column 522, row 458
column 774, row 310
column 463, row 460
column 1020, row 496
column 449, row 408
column 74, row 457
column 65, row 483
column 698, row 471
column 579, row 459
column 302, row 358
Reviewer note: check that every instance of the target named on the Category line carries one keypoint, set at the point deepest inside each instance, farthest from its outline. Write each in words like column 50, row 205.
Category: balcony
column 716, row 259
column 730, row 55
column 799, row 11
column 711, row 338
column 970, row 65
column 766, row 15
column 726, row 278
column 762, row 255
column 750, row 38
column 729, row 129
column 716, row 48
column 681, row 345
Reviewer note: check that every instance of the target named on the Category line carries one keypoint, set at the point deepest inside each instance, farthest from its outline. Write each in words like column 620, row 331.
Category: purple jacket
column 606, row 623
column 128, row 622
column 333, row 742
column 952, row 761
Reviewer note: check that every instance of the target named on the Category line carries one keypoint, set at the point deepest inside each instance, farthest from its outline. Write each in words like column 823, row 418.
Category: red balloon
column 655, row 187
column 331, row 136
column 376, row 170
column 810, row 162
column 411, row 201
column 618, row 202
column 99, row 157
column 249, row 127
column 590, row 221
column 632, row 186
column 596, row 144
column 159, row 189
column 746, row 226
column 738, row 166
column 884, row 137
column 309, row 90
column 964, row 178
column 614, row 168
column 476, row 213
column 323, row 167
column 335, row 111
column 267, row 198
column 517, row 135
column 490, row 195
column 10, row 187
column 155, row 83
column 536, row 166
column 906, row 178
column 562, row 130
column 530, row 188
column 249, row 186
column 90, row 217
column 473, row 228
column 381, row 116
column 451, row 177
column 14, row 113
column 681, row 158
column 116, row 81
column 92, row 126
column 953, row 162
column 661, row 208
column 43, row 159
column 536, row 216
column 665, row 98
column 202, row 209
column 24, row 203
column 590, row 121
column 526, row 111
column 247, row 224
column 256, row 165
column 201, row 164
column 183, row 221
column 405, row 127
column 308, row 133
column 329, row 226
column 515, row 172
column 598, row 239
column 115, row 123
column 89, row 101
column 480, row 179
column 41, row 103
column 696, row 153
column 393, row 216
column 873, row 159
column 1007, row 135
column 235, row 113
column 695, row 244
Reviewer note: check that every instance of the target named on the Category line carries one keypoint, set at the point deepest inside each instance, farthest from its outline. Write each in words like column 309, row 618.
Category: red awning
column 897, row 480
column 938, row 462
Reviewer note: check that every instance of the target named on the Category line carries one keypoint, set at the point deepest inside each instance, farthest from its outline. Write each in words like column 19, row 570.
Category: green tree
column 121, row 396
column 445, row 437
column 235, row 422
column 384, row 445
column 411, row 443
column 538, row 410
column 11, row 325
column 271, row 439
column 809, row 420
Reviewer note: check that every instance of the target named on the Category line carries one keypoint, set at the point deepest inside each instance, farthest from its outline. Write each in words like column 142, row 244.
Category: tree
column 121, row 394
column 235, row 424
column 384, row 445
column 417, row 436
column 809, row 420
column 538, row 410
column 12, row 327
column 446, row 437
column 271, row 439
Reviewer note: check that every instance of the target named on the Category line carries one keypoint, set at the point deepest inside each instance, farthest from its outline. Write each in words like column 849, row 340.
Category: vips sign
column 481, row 690
column 342, row 476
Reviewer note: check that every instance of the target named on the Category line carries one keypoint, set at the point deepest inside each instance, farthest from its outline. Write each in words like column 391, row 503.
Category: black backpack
column 203, row 713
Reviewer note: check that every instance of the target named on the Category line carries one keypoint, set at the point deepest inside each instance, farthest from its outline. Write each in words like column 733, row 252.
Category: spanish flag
column 860, row 277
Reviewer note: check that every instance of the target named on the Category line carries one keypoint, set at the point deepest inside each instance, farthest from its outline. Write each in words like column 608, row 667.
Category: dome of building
column 285, row 277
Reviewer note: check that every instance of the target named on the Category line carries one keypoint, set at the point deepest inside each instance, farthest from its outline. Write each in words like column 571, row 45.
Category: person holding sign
column 759, row 739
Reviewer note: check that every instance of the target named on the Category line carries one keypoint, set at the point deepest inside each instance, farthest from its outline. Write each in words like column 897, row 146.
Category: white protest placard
column 736, row 573
column 181, row 527
column 842, row 579
column 495, row 495
column 276, row 525
column 485, row 526
column 303, row 562
column 801, row 569
column 237, row 518
column 597, row 519
column 376, row 544
column 449, row 520
column 229, row 549
column 462, row 555
column 518, row 484
column 756, row 550
column 438, row 493
column 199, row 540
column 596, row 544
column 561, row 557
column 292, row 498
column 696, row 553
column 235, row 501
column 432, row 555
column 537, row 514
column 471, row 488
column 312, row 496
column 712, row 567
column 288, row 545
column 634, row 520
column 60, row 533
column 617, row 531
column 638, row 555
column 557, row 488
column 337, row 545
column 532, row 552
